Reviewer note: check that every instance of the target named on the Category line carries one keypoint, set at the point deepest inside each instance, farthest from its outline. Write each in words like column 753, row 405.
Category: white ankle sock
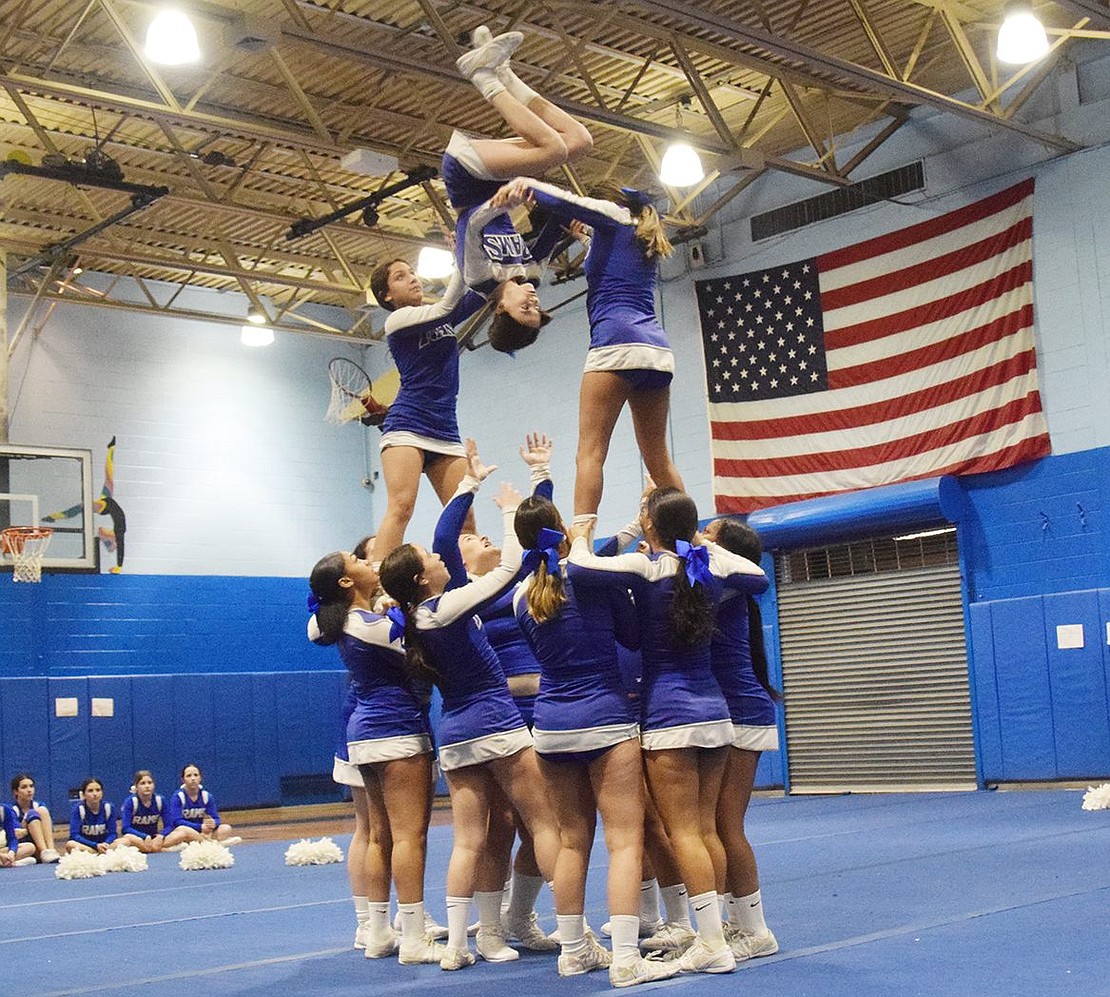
column 572, row 931
column 489, row 86
column 649, row 901
column 489, row 909
column 362, row 909
column 458, row 913
column 749, row 913
column 522, row 898
column 515, row 85
column 412, row 922
column 625, row 932
column 707, row 916
column 676, row 902
column 377, row 918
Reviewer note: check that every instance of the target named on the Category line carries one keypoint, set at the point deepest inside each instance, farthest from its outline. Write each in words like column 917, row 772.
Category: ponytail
column 547, row 593
column 332, row 600
column 674, row 517
column 400, row 573
column 739, row 538
column 649, row 226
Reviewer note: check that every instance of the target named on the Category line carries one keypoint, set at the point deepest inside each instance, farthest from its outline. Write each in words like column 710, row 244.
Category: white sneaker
column 669, row 938
column 432, row 929
column 751, row 945
column 489, row 56
column 360, row 936
column 380, row 948
column 28, row 860
column 48, row 856
column 455, row 958
column 233, row 840
column 424, row 952
column 529, row 933
column 594, row 956
column 179, row 847
column 491, row 946
column 700, row 958
column 647, row 928
column 642, row 971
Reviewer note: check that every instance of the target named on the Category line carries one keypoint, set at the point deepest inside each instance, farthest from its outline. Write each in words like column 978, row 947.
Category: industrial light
column 256, row 335
column 434, row 264
column 681, row 166
column 171, row 39
column 1022, row 37
column 256, row 316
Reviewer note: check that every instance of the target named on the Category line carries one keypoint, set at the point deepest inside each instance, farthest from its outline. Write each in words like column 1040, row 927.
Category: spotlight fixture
column 434, row 264
column 681, row 165
column 171, row 39
column 256, row 316
column 370, row 216
column 256, row 335
column 1022, row 38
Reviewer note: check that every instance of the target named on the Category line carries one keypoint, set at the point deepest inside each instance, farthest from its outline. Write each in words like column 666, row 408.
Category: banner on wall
column 902, row 357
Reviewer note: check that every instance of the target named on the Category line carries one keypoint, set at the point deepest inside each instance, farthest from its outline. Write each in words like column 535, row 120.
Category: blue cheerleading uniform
column 23, row 818
column 681, row 703
column 620, row 287
column 387, row 720
column 92, row 829
column 141, row 819
column 422, row 342
column 750, row 705
column 184, row 811
column 8, row 823
column 480, row 721
column 582, row 705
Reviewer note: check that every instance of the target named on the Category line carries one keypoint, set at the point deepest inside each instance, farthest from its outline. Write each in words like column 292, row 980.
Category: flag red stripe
column 934, row 438
column 934, row 353
column 1030, row 449
column 927, row 270
column 929, row 311
column 930, row 229
column 875, row 412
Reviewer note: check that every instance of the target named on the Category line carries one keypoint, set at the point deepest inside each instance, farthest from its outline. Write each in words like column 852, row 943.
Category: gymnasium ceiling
column 249, row 141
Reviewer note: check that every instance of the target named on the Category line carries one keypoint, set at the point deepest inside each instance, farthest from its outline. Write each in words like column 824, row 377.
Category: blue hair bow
column 640, row 198
column 397, row 623
column 546, row 552
column 697, row 561
column 313, row 603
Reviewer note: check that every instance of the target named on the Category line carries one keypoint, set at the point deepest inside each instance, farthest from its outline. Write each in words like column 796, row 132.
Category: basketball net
column 26, row 546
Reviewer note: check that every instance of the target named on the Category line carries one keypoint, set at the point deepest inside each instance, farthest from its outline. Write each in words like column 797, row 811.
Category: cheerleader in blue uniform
column 587, row 740
column 420, row 434
column 143, row 815
column 192, row 814
column 92, row 825
column 684, row 720
column 492, row 256
column 740, row 666
column 33, row 823
column 389, row 744
column 483, row 740
column 12, row 852
column 629, row 360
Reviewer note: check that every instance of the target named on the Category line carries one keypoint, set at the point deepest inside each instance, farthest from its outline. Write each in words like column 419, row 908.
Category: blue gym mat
column 985, row 893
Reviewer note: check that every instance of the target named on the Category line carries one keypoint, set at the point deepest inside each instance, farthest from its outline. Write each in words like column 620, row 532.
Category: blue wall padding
column 1024, row 694
column 836, row 518
column 233, row 719
column 264, row 721
column 111, row 739
column 1102, row 638
column 153, row 719
column 984, row 694
column 1078, row 686
column 69, row 743
column 194, row 725
column 25, row 733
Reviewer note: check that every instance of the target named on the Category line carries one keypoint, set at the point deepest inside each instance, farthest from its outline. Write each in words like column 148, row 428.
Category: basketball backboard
column 51, row 486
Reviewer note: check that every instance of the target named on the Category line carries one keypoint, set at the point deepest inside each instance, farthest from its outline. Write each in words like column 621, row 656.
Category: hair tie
column 697, row 561
column 397, row 622
column 313, row 603
column 640, row 198
column 546, row 552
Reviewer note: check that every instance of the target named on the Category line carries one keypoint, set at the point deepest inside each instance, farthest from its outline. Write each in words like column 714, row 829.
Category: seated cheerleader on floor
column 33, row 823
column 92, row 825
column 11, row 851
column 191, row 814
column 141, row 814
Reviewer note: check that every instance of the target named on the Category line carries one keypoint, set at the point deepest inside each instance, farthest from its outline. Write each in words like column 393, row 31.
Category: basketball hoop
column 26, row 546
column 354, row 398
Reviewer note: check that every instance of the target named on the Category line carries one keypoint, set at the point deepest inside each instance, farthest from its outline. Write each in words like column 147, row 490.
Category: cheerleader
column 390, row 748
column 492, row 256
column 12, row 851
column 420, row 434
column 684, row 720
column 192, row 814
column 629, row 359
column 141, row 814
column 33, row 823
column 92, row 825
column 483, row 741
column 587, row 740
column 740, row 666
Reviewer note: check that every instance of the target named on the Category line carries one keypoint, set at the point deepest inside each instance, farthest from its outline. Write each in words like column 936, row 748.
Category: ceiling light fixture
column 256, row 335
column 681, row 165
column 171, row 39
column 434, row 264
column 256, row 316
column 1022, row 38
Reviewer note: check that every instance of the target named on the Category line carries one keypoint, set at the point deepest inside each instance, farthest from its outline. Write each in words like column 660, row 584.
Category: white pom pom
column 1097, row 797
column 79, row 865
column 124, row 859
column 306, row 852
column 205, row 855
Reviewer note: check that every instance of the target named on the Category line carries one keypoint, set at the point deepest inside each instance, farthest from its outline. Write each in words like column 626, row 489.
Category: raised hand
column 537, row 449
column 513, row 193
column 474, row 466
column 508, row 498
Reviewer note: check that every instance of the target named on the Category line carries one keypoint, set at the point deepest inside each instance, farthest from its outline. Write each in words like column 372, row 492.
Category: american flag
column 905, row 356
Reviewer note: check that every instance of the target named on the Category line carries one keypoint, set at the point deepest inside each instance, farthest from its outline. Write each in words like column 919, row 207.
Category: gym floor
column 983, row 893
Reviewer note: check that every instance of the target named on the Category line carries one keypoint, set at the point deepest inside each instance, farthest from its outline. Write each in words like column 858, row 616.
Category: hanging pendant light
column 1022, row 38
column 256, row 335
column 171, row 39
column 681, row 164
column 434, row 264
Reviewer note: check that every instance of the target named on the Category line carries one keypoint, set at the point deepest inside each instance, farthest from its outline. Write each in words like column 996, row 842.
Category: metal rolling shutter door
column 876, row 683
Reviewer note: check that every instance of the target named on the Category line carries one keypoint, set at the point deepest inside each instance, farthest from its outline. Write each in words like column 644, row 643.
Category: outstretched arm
column 450, row 522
